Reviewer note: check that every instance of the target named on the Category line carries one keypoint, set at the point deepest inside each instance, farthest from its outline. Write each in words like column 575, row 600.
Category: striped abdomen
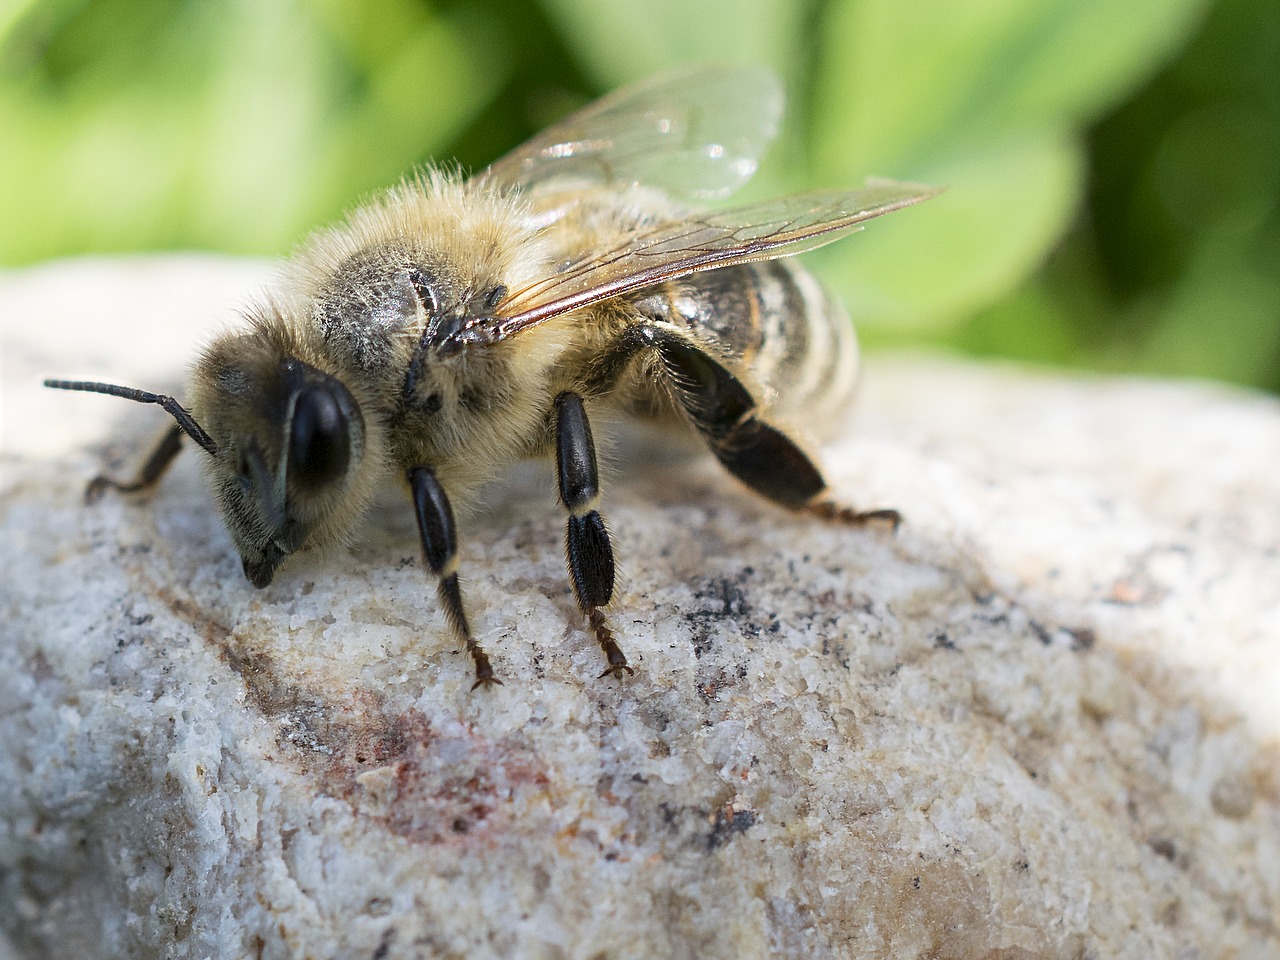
column 789, row 340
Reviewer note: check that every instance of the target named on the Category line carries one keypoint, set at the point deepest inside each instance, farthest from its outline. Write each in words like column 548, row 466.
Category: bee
column 457, row 325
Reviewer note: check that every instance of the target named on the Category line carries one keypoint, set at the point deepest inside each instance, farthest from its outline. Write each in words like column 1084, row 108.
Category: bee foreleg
column 588, row 552
column 440, row 549
column 153, row 469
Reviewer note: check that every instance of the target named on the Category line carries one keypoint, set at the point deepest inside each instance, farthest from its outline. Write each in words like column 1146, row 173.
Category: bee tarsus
column 613, row 653
column 839, row 513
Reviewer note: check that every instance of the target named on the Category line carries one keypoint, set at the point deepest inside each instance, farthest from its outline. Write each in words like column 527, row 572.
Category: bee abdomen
column 808, row 355
column 789, row 337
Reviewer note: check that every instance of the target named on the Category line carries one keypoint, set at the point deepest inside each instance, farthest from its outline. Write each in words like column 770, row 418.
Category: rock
column 1041, row 721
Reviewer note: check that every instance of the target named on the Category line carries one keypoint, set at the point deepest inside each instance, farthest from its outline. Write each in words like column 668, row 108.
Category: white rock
column 1042, row 721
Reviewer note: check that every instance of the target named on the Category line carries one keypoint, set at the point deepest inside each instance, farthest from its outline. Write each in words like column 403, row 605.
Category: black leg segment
column 724, row 412
column 590, row 557
column 588, row 551
column 440, row 550
column 575, row 455
column 770, row 463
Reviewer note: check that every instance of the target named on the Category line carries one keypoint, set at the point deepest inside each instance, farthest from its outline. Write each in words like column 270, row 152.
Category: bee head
column 290, row 445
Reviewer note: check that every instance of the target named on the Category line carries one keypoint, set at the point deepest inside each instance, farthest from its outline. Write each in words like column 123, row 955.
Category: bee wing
column 677, row 248
column 697, row 133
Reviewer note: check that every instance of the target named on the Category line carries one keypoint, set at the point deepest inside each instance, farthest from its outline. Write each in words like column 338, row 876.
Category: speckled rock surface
column 1042, row 721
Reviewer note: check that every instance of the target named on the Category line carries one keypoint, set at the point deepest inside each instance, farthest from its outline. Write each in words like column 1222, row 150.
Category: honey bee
column 454, row 326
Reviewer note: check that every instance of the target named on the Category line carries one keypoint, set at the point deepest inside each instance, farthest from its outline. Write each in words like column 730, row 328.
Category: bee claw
column 889, row 516
column 488, row 680
column 612, row 652
column 95, row 489
column 616, row 670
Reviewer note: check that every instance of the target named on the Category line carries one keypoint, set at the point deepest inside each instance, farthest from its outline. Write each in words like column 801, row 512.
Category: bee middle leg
column 440, row 549
column 588, row 551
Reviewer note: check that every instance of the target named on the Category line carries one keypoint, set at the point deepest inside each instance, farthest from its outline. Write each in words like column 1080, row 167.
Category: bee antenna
column 168, row 404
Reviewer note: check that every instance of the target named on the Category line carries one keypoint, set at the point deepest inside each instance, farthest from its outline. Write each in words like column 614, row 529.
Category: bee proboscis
column 455, row 325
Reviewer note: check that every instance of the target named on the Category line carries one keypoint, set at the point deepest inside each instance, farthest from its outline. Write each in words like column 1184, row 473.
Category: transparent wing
column 759, row 231
column 697, row 133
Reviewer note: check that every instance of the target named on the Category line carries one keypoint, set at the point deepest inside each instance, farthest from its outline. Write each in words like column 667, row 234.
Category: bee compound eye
column 319, row 439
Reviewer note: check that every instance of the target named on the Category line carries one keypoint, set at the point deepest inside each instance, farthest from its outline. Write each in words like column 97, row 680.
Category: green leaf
column 917, row 269
column 986, row 97
column 214, row 138
column 1220, row 319
column 622, row 40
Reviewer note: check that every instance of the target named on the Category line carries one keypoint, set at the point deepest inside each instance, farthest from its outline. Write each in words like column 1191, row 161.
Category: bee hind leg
column 757, row 453
column 440, row 549
column 774, row 466
column 588, row 552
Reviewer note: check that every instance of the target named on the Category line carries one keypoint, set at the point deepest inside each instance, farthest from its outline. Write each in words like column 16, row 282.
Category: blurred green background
column 1113, row 169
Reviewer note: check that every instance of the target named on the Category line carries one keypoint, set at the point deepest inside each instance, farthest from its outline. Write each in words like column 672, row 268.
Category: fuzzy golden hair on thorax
column 485, row 235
